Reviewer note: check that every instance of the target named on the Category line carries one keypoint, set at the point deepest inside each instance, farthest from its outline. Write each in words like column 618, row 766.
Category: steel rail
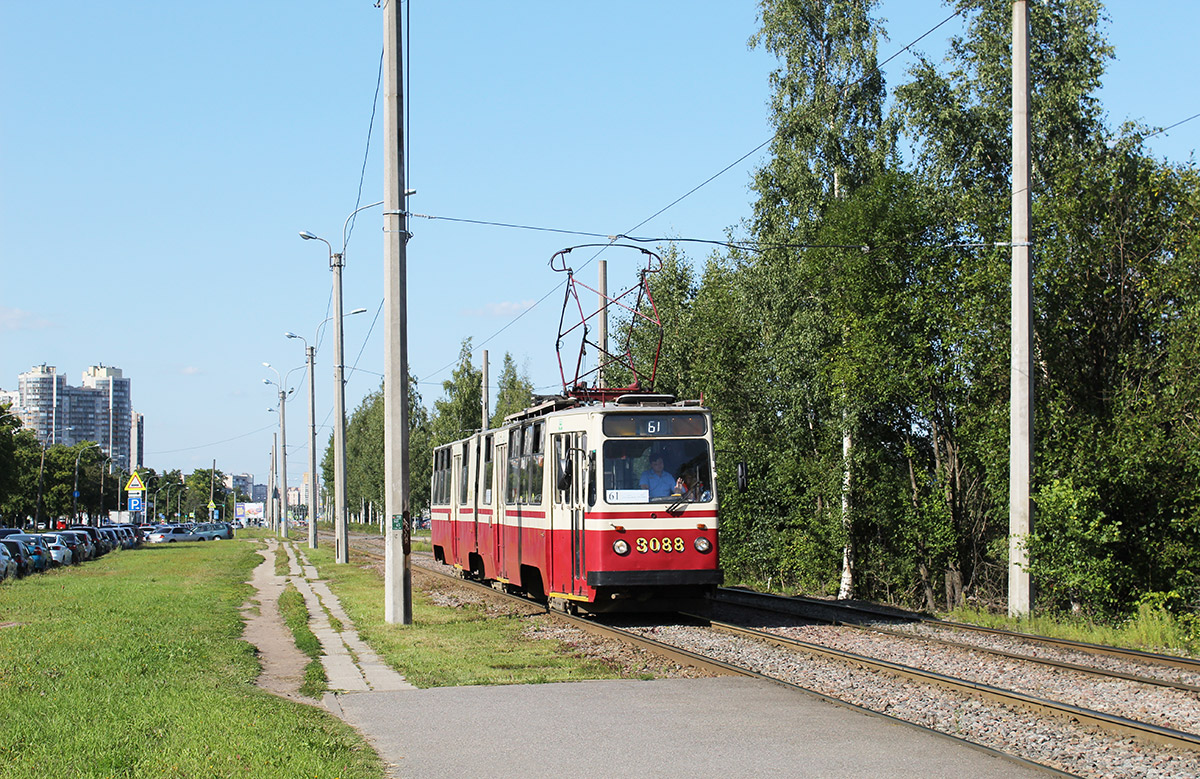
column 1091, row 670
column 1112, row 723
column 672, row 653
column 812, row 608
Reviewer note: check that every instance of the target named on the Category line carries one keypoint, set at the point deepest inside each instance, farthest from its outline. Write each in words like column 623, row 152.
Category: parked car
column 213, row 531
column 86, row 547
column 170, row 535
column 122, row 537
column 20, row 555
column 38, row 549
column 114, row 541
column 8, row 566
column 60, row 552
column 100, row 540
column 72, row 542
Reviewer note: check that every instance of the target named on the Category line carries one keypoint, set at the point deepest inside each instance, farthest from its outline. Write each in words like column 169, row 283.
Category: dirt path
column 282, row 663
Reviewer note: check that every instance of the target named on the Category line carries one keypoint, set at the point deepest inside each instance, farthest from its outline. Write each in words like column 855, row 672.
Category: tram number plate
column 655, row 544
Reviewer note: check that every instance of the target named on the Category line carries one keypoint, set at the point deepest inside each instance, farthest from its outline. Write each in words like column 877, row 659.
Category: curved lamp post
column 103, row 469
column 75, row 491
column 283, row 527
column 310, row 353
column 336, row 261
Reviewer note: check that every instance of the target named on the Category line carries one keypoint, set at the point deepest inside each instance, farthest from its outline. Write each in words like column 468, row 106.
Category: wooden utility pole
column 398, row 563
column 1020, row 508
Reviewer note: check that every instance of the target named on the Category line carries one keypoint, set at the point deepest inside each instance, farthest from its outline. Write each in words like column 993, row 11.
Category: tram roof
column 560, row 403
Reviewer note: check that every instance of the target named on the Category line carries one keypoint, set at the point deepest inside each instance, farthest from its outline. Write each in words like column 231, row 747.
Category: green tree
column 1113, row 230
column 459, row 412
column 514, row 391
column 198, row 486
column 365, row 452
column 831, row 138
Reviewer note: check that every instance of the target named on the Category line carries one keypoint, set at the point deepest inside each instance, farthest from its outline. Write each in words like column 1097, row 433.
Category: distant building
column 241, row 482
column 101, row 410
column 260, row 493
column 137, row 442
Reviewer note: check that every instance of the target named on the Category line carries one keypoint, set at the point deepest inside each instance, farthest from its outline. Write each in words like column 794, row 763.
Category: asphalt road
column 717, row 727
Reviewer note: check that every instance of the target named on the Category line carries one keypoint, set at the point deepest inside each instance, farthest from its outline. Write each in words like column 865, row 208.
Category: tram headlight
column 703, row 545
column 621, row 546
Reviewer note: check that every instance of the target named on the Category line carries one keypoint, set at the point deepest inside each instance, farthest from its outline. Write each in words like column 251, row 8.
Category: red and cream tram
column 604, row 507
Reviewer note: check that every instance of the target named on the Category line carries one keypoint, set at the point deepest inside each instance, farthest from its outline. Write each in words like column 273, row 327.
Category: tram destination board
column 654, row 425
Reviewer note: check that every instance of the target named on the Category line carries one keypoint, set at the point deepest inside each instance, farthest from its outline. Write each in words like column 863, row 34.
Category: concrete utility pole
column 484, row 393
column 283, row 501
column 341, row 531
column 1020, row 508
column 271, row 484
column 602, row 339
column 398, row 565
column 312, row 452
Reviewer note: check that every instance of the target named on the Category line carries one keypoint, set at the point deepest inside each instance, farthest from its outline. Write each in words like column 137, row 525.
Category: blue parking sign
column 135, row 502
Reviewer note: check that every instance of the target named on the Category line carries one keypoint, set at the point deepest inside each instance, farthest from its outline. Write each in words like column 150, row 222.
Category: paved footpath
column 727, row 727
column 350, row 665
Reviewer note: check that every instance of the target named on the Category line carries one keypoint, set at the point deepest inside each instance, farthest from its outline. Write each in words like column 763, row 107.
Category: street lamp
column 283, row 393
column 103, row 468
column 75, row 491
column 336, row 261
column 310, row 353
column 166, row 487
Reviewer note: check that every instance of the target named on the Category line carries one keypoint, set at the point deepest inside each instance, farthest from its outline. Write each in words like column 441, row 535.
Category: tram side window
column 464, row 476
column 439, row 478
column 514, row 466
column 487, row 470
column 444, row 477
column 534, row 462
column 562, row 465
column 590, row 467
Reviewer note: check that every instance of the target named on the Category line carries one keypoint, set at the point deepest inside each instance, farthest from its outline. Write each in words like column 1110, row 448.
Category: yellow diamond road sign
column 135, row 484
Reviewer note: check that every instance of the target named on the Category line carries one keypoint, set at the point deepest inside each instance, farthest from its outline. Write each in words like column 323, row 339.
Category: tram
column 595, row 507
column 602, row 498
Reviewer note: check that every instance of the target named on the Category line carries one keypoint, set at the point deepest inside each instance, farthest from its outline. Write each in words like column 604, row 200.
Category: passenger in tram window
column 689, row 486
column 655, row 479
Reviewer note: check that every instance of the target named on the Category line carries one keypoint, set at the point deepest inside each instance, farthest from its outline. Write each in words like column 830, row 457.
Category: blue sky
column 157, row 162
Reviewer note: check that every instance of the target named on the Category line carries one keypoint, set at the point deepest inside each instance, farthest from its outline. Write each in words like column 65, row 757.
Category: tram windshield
column 658, row 471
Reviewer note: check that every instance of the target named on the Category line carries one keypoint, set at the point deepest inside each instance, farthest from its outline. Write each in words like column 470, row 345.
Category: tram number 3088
column 655, row 544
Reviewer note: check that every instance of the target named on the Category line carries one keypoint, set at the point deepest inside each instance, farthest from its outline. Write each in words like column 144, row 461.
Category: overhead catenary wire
column 873, row 70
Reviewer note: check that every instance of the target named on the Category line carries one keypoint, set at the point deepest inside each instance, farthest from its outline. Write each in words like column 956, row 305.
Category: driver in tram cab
column 659, row 482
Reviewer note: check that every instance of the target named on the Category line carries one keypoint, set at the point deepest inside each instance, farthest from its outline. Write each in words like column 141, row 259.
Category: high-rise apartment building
column 101, row 410
column 241, row 482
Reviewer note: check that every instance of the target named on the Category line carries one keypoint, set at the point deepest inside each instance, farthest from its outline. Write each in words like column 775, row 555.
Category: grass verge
column 450, row 646
column 295, row 614
column 133, row 666
column 1151, row 629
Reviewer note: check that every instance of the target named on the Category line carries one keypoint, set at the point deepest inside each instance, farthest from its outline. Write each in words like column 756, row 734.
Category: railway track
column 1181, row 673
column 886, row 685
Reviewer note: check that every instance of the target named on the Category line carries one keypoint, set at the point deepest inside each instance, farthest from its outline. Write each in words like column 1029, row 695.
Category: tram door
column 484, row 510
column 578, row 502
column 456, row 507
column 471, row 476
column 568, row 514
column 498, row 518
